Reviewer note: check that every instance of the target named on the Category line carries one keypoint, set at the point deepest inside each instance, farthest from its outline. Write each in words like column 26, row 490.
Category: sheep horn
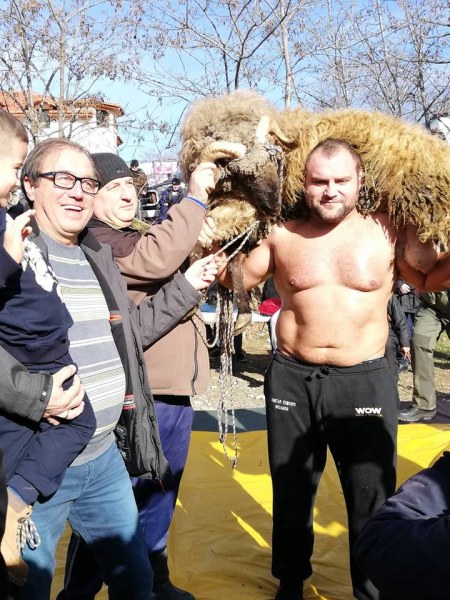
column 217, row 150
column 275, row 130
column 262, row 129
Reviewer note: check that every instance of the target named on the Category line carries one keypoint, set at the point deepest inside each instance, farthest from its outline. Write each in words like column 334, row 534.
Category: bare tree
column 64, row 49
column 214, row 46
column 389, row 56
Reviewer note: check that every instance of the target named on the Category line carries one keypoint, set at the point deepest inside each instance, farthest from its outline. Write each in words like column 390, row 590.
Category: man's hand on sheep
column 203, row 180
column 207, row 234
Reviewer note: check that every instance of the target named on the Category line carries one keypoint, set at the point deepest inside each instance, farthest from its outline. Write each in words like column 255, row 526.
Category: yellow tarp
column 220, row 543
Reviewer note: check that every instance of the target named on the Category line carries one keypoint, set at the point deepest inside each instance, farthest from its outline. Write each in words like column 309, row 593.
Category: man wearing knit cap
column 170, row 196
column 178, row 365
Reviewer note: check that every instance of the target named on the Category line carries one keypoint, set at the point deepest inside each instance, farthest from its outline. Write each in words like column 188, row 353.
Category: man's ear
column 28, row 186
column 361, row 177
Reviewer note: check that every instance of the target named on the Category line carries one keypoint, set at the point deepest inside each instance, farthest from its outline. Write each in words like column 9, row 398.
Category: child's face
column 10, row 162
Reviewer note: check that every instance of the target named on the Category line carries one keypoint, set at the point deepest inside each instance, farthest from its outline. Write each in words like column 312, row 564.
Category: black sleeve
column 398, row 321
column 404, row 548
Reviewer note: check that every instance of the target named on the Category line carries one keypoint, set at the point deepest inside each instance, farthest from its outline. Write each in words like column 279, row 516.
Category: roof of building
column 16, row 102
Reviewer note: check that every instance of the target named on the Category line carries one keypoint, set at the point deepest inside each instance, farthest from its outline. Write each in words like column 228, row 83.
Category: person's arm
column 439, row 278
column 159, row 314
column 13, row 243
column 415, row 259
column 404, row 547
column 257, row 266
column 37, row 395
column 160, row 253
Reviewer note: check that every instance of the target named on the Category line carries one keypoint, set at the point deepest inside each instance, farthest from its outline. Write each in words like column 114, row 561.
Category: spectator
column 409, row 301
column 106, row 344
column 432, row 318
column 177, row 365
column 34, row 325
column 170, row 196
column 140, row 180
column 398, row 336
column 405, row 546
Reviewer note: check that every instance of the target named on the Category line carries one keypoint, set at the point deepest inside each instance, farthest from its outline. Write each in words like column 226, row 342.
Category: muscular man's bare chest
column 359, row 258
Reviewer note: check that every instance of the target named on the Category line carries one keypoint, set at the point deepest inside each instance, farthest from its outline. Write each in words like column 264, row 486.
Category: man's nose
column 77, row 191
column 331, row 189
column 126, row 192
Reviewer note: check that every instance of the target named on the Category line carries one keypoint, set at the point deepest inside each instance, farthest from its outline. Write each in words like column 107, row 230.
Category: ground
column 248, row 387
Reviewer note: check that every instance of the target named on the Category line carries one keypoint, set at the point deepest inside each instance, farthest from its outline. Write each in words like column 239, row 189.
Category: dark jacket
column 133, row 328
column 168, row 199
column 405, row 546
column 409, row 301
column 397, row 322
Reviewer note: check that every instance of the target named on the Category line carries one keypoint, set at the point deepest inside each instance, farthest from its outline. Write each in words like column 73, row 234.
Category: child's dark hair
column 11, row 128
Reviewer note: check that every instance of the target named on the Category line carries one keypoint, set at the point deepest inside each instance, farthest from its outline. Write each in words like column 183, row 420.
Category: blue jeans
column 156, row 505
column 97, row 500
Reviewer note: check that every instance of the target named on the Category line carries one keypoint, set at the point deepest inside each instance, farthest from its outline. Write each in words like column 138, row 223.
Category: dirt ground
column 248, row 387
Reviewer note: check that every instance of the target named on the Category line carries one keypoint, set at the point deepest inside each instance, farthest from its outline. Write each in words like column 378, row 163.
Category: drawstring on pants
column 318, row 373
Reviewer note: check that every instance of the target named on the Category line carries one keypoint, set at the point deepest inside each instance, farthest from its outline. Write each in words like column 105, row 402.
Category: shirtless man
column 329, row 383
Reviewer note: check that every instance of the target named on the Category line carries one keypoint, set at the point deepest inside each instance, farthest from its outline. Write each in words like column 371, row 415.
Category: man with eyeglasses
column 177, row 365
column 105, row 341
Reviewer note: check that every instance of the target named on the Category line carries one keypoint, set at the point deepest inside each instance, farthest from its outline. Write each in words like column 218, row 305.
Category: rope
column 245, row 235
column 224, row 326
column 27, row 534
column 226, row 379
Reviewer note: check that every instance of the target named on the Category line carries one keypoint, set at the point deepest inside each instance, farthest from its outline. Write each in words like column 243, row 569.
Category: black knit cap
column 110, row 166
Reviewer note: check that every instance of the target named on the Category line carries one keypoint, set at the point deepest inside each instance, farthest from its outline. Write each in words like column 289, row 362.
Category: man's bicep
column 259, row 265
column 421, row 256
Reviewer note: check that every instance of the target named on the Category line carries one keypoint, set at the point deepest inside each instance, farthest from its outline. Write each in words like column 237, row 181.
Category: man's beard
column 331, row 217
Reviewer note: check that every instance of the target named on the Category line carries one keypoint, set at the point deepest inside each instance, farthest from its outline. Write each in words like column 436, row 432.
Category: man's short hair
column 331, row 146
column 33, row 163
column 10, row 127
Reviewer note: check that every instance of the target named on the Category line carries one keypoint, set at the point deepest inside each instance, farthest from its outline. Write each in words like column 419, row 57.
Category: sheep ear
column 217, row 150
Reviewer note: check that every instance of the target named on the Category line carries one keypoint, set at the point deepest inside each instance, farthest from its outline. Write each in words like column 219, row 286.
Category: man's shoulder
column 286, row 228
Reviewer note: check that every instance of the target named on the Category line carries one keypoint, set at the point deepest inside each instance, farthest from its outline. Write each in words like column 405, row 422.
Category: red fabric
column 269, row 306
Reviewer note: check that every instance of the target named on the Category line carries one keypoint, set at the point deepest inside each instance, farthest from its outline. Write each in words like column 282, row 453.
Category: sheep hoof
column 242, row 322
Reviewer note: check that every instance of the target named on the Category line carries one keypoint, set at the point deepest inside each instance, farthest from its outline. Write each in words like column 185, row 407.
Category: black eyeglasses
column 66, row 181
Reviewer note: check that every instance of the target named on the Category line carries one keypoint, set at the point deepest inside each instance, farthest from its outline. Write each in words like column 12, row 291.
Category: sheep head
column 235, row 132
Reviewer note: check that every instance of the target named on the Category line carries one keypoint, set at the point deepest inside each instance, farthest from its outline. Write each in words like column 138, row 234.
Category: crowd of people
column 102, row 348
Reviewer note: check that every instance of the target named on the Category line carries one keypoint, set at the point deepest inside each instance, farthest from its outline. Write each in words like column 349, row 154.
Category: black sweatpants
column 353, row 410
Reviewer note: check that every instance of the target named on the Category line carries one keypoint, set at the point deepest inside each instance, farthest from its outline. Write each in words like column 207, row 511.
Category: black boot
column 163, row 588
column 289, row 591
